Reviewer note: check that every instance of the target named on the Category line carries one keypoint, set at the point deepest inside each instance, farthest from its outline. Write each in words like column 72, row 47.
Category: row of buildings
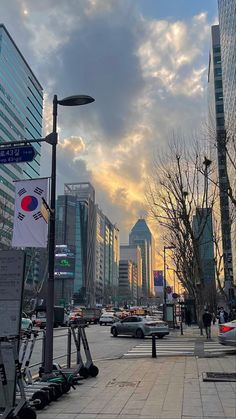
column 222, row 117
column 91, row 267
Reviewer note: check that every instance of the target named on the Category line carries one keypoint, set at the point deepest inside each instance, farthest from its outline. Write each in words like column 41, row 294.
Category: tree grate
column 219, row 376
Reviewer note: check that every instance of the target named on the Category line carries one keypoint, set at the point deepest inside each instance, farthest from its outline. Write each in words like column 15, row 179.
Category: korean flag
column 30, row 228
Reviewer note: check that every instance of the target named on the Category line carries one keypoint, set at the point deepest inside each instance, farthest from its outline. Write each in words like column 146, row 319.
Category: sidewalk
column 162, row 388
column 194, row 331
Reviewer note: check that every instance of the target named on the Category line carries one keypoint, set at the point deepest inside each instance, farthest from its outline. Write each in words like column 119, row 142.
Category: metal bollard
column 154, row 352
column 181, row 327
column 69, row 348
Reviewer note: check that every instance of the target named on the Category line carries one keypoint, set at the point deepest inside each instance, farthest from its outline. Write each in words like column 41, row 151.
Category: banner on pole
column 30, row 228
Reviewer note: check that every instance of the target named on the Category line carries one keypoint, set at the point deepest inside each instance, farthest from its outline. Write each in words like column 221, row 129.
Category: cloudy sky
column 145, row 63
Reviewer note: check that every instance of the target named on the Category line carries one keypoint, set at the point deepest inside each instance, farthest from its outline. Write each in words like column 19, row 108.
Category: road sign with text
column 20, row 154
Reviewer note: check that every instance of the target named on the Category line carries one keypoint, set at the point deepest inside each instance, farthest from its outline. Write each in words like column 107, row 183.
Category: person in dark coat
column 188, row 317
column 207, row 319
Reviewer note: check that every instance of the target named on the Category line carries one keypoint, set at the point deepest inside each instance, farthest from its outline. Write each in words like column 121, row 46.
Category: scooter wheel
column 56, row 390
column 93, row 370
column 50, row 392
column 84, row 372
column 42, row 397
column 66, row 387
column 27, row 413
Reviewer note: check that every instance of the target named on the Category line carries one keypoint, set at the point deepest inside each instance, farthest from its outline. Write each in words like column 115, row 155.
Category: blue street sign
column 19, row 154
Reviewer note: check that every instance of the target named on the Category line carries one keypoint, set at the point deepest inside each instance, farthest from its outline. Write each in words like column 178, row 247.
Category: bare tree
column 180, row 200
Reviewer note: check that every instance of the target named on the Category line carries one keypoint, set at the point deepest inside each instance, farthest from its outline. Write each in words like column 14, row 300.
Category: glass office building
column 227, row 23
column 217, row 125
column 76, row 227
column 227, row 20
column 142, row 236
column 21, row 107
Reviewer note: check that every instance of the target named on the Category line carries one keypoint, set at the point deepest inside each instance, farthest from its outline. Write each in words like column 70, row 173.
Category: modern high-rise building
column 127, row 283
column 141, row 235
column 133, row 253
column 107, row 260
column 217, row 128
column 227, row 23
column 76, row 227
column 94, row 241
column 203, row 231
column 21, row 107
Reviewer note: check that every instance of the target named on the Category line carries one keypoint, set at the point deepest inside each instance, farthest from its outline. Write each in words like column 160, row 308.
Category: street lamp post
column 165, row 248
column 68, row 101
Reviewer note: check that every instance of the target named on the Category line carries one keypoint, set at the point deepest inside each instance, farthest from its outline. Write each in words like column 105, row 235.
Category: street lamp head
column 76, row 100
column 207, row 162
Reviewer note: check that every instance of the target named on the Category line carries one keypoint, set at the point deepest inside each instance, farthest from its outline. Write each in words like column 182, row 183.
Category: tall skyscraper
column 227, row 20
column 227, row 23
column 21, row 107
column 217, row 127
column 141, row 235
column 203, row 230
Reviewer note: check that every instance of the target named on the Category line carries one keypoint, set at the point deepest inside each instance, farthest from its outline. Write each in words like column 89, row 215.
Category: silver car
column 227, row 333
column 140, row 327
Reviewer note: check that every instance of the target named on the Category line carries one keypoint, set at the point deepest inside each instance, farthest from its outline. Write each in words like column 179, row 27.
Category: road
column 102, row 345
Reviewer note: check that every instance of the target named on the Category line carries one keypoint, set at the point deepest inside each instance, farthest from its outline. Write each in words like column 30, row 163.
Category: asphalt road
column 102, row 345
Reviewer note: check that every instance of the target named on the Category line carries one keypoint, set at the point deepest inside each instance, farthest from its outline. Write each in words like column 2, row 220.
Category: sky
column 145, row 63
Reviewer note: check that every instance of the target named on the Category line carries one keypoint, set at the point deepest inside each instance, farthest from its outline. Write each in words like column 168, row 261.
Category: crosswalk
column 172, row 347
column 214, row 346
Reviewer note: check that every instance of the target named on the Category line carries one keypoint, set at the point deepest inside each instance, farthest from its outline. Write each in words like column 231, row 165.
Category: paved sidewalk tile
column 150, row 389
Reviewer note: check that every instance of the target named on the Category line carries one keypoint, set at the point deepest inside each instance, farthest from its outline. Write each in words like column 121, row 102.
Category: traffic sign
column 19, row 154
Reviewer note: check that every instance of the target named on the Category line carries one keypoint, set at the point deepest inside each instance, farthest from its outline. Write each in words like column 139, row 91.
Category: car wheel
column 100, row 323
column 114, row 332
column 160, row 336
column 139, row 334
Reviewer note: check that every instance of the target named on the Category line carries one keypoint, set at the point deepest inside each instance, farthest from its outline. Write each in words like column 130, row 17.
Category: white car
column 227, row 333
column 107, row 318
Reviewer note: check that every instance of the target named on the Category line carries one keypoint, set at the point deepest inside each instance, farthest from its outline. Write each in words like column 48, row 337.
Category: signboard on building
column 64, row 262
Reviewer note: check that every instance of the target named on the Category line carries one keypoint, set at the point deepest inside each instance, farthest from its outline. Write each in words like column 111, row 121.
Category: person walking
column 207, row 319
column 222, row 316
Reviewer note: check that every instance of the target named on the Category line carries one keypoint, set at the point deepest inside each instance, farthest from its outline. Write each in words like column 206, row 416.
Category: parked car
column 140, row 327
column 108, row 318
column 227, row 333
column 59, row 316
column 74, row 316
column 26, row 322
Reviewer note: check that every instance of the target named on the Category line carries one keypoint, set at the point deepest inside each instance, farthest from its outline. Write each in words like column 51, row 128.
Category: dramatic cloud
column 148, row 78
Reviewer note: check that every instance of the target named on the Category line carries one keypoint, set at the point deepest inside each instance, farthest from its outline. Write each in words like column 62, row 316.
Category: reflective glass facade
column 216, row 120
column 227, row 19
column 227, row 23
column 142, row 236
column 21, row 107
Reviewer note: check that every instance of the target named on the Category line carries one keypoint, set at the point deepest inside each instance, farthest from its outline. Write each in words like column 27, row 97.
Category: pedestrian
column 222, row 316
column 188, row 317
column 207, row 319
column 213, row 318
